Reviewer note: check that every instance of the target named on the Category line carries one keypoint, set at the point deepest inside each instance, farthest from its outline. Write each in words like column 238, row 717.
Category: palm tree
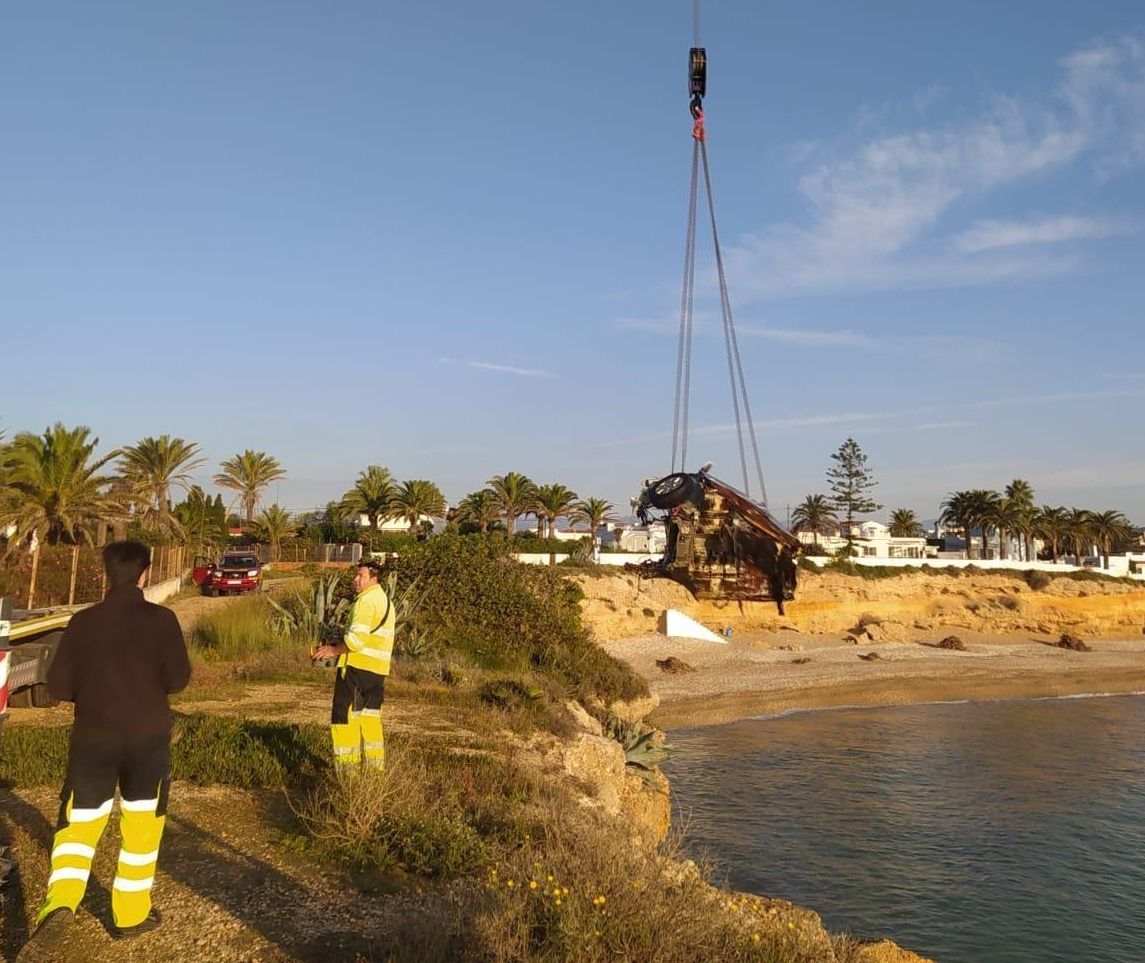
column 1052, row 524
column 1006, row 516
column 275, row 524
column 959, row 512
column 151, row 467
column 595, row 511
column 372, row 495
column 1079, row 533
column 479, row 508
column 55, row 490
column 248, row 474
column 905, row 524
column 985, row 509
column 516, row 495
column 416, row 499
column 815, row 514
column 1021, row 493
column 553, row 502
column 1109, row 528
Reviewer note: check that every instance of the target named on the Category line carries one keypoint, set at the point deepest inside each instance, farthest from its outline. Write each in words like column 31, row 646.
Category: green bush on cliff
column 507, row 616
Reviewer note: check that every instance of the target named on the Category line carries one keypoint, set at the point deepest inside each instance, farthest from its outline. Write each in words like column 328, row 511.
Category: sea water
column 990, row 832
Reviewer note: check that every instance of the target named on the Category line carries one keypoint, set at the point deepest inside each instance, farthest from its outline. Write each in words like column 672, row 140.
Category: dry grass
column 584, row 893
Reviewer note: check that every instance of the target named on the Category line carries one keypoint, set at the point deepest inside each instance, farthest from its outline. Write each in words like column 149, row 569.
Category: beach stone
column 884, row 951
column 584, row 721
column 791, row 647
column 952, row 642
column 1073, row 643
column 635, row 709
column 673, row 666
column 887, row 632
column 869, row 656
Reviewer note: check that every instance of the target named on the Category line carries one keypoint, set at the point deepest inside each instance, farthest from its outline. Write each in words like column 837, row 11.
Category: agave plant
column 644, row 747
column 320, row 616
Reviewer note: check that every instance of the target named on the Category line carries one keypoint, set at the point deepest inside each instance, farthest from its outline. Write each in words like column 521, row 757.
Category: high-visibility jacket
column 370, row 637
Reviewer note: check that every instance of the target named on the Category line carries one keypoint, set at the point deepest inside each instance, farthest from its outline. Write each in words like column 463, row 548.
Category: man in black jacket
column 117, row 661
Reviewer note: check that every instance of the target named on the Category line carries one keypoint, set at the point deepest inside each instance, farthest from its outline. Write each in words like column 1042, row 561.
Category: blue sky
column 447, row 238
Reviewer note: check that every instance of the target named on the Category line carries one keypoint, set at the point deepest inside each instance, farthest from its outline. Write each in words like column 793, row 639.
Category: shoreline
column 760, row 677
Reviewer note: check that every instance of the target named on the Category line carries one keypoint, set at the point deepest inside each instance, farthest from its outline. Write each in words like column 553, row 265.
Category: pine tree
column 850, row 481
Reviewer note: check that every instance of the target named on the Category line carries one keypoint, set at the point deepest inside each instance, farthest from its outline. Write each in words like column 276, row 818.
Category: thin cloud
column 501, row 368
column 886, row 420
column 873, row 213
column 943, row 425
column 991, row 235
column 511, row 369
column 809, row 339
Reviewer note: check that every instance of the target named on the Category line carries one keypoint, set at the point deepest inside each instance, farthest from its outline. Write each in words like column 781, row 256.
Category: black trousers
column 354, row 691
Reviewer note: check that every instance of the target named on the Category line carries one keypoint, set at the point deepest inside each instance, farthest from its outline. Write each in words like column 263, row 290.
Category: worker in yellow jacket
column 363, row 663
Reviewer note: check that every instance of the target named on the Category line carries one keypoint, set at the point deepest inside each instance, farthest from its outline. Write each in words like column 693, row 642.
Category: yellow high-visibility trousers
column 356, row 719
column 96, row 766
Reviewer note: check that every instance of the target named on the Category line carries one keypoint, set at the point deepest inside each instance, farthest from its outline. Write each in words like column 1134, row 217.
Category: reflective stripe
column 89, row 815
column 74, row 849
column 373, row 745
column 360, row 627
column 372, row 712
column 344, row 750
column 374, row 653
column 137, row 859
column 354, row 713
column 132, row 885
column 69, row 872
column 139, row 805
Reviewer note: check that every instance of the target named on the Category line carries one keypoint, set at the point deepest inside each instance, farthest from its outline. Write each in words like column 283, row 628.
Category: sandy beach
column 777, row 672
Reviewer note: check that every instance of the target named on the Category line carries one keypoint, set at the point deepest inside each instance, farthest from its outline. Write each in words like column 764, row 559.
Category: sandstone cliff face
column 831, row 603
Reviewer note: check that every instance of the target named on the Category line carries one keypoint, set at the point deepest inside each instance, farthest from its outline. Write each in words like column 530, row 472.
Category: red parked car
column 238, row 572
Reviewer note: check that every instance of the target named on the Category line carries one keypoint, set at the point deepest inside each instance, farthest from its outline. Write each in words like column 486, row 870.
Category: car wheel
column 673, row 490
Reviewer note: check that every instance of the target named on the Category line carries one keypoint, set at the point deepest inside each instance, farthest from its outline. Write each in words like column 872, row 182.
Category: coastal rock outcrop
column 599, row 768
column 831, row 603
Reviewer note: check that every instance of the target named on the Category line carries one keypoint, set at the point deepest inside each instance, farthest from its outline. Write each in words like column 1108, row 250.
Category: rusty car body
column 721, row 544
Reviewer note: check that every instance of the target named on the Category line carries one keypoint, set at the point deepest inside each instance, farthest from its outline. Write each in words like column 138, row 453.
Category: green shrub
column 206, row 750
column 432, row 812
column 509, row 616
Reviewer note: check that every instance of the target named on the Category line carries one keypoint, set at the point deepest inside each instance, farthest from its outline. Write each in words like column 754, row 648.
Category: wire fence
column 73, row 574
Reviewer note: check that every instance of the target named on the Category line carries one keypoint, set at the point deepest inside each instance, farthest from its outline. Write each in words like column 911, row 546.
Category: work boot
column 150, row 922
column 44, row 944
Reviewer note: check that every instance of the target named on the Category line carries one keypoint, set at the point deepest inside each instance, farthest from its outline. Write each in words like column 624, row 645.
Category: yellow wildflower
column 532, row 884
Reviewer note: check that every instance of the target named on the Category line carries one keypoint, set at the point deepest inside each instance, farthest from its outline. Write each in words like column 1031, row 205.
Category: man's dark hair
column 374, row 567
column 125, row 561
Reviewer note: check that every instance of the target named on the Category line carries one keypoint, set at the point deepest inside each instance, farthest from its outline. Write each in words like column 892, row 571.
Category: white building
column 869, row 539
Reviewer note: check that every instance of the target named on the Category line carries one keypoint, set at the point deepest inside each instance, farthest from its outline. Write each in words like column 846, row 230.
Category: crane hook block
column 698, row 71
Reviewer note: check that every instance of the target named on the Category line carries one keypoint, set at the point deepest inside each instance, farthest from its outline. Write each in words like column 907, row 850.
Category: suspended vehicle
column 722, row 543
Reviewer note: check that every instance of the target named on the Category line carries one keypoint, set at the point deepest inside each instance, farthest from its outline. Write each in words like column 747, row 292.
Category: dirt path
column 227, row 891
column 193, row 607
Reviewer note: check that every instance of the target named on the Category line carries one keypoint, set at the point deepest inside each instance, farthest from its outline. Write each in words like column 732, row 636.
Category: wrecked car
column 721, row 544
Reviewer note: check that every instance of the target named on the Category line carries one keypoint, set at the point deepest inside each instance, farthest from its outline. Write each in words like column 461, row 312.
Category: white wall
column 606, row 558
